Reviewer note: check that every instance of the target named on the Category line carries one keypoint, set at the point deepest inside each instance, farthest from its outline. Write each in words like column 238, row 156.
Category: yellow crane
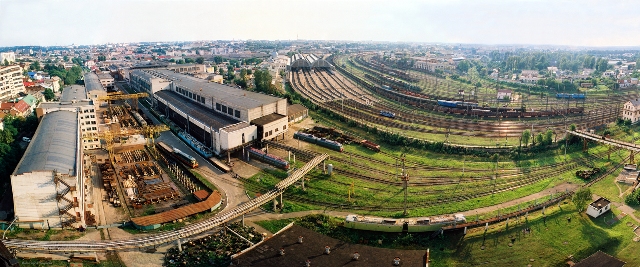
column 149, row 132
column 121, row 96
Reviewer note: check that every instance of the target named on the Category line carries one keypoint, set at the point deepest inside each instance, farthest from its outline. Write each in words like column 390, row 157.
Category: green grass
column 204, row 180
column 552, row 239
column 274, row 226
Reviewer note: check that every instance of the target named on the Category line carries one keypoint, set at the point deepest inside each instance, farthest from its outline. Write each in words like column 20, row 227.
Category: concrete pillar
column 281, row 203
column 228, row 157
column 266, row 148
column 294, row 158
column 324, row 167
column 274, row 204
column 179, row 245
column 243, row 221
column 289, row 151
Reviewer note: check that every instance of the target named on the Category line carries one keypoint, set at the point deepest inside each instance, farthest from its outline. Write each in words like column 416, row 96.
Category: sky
column 538, row 22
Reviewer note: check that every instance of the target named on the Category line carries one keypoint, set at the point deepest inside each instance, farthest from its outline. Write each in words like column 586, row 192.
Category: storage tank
column 329, row 169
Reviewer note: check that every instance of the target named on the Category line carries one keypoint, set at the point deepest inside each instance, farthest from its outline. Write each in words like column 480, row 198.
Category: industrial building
column 10, row 81
column 81, row 99
column 106, row 80
column 307, row 62
column 48, row 183
column 221, row 118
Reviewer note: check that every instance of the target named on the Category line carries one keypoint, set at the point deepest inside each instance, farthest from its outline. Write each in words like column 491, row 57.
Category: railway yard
column 459, row 155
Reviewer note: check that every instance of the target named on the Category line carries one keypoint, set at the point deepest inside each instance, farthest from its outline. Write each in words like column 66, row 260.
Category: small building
column 631, row 110
column 600, row 259
column 504, row 94
column 297, row 112
column 628, row 175
column 598, row 207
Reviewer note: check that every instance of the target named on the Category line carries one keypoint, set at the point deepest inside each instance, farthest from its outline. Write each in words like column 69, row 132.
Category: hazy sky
column 576, row 22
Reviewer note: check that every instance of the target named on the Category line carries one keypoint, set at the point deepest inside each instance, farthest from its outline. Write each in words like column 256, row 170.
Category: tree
column 189, row 60
column 200, row 60
column 180, row 61
column 540, row 139
column 581, row 198
column 463, row 66
column 548, row 137
column 526, row 135
column 633, row 199
column 35, row 65
column 102, row 58
column 48, row 94
column 6, row 62
column 65, row 58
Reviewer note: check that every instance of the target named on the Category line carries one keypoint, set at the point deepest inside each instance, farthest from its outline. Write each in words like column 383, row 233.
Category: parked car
column 26, row 139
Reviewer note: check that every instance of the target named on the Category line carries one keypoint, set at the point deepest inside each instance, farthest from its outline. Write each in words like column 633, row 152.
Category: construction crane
column 149, row 132
column 121, row 96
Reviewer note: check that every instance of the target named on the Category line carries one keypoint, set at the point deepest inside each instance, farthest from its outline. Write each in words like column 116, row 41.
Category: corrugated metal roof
column 179, row 213
column 221, row 93
column 54, row 145
column 74, row 92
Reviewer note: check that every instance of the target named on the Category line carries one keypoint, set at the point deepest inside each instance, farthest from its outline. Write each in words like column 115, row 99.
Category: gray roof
column 635, row 102
column 74, row 92
column 198, row 112
column 104, row 75
column 264, row 120
column 91, row 82
column 54, row 145
column 221, row 93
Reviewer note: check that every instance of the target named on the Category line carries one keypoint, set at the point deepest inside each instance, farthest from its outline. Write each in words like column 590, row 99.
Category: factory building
column 10, row 81
column 220, row 117
column 48, row 184
column 81, row 99
column 106, row 80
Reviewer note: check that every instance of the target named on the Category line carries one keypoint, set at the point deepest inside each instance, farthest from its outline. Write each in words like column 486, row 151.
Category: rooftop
column 266, row 254
column 267, row 119
column 74, row 92
column 180, row 212
column 221, row 93
column 104, row 75
column 92, row 82
column 600, row 259
column 295, row 108
column 54, row 145
column 198, row 112
column 600, row 203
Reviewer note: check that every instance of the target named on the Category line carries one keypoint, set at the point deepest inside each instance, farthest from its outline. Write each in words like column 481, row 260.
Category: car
column 26, row 139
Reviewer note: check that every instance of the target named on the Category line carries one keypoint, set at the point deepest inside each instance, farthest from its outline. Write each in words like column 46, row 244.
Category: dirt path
column 262, row 215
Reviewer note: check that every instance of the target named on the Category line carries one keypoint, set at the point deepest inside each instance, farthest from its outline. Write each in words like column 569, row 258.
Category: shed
column 598, row 207
column 297, row 112
column 156, row 220
column 201, row 195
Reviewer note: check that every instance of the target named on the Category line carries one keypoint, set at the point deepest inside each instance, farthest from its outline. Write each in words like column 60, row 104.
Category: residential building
column 504, row 94
column 11, row 82
column 8, row 56
column 631, row 110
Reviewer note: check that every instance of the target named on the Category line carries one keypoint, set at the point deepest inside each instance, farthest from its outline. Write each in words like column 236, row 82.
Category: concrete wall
column 34, row 197
column 276, row 127
column 234, row 139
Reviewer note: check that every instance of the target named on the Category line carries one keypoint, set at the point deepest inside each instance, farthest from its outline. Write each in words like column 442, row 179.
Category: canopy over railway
column 308, row 61
column 161, row 238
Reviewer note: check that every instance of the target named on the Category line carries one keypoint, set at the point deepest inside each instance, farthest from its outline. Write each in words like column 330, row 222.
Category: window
column 230, row 111
column 224, row 109
column 266, row 134
column 284, row 127
column 218, row 106
column 276, row 130
column 271, row 132
column 237, row 114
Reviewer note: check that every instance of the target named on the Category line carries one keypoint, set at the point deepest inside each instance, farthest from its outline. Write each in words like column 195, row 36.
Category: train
column 221, row 165
column 139, row 118
column 457, row 104
column 175, row 153
column 571, row 96
column 333, row 145
column 268, row 158
column 370, row 145
column 412, row 225
column 387, row 114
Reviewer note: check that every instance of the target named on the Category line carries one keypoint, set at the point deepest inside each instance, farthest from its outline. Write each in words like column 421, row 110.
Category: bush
column 633, row 198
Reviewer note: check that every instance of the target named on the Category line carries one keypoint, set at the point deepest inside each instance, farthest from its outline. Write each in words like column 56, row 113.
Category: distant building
column 504, row 94
column 631, row 110
column 11, row 82
column 106, row 80
column 598, row 207
column 297, row 112
column 8, row 56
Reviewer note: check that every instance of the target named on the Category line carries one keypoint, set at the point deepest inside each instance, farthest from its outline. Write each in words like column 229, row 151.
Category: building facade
column 10, row 81
column 631, row 110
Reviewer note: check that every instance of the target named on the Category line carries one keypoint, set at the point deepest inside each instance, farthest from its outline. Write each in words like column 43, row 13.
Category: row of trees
column 542, row 139
column 67, row 76
column 10, row 150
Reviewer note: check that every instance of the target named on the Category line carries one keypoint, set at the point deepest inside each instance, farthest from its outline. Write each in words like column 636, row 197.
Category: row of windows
column 90, row 129
column 269, row 133
column 196, row 97
column 227, row 110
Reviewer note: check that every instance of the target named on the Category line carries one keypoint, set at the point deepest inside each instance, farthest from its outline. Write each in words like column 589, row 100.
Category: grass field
column 551, row 240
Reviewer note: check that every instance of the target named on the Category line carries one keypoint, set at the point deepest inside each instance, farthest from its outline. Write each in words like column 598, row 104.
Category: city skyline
column 535, row 22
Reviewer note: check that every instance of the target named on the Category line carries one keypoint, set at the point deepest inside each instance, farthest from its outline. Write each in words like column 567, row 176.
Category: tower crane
column 121, row 96
column 149, row 132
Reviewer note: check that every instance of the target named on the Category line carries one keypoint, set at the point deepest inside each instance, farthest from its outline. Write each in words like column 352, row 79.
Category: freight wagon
column 333, row 145
column 268, row 158
column 178, row 155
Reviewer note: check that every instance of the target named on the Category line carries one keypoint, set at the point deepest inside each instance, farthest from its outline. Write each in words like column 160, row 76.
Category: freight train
column 175, row 153
column 268, row 158
column 457, row 104
column 412, row 225
column 333, row 145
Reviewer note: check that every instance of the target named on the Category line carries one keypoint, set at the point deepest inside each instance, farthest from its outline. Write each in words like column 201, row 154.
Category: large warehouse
column 220, row 117
column 48, row 184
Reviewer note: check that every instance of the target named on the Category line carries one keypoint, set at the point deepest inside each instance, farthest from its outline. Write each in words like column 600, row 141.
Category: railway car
column 370, row 145
column 392, row 225
column 333, row 145
column 570, row 96
column 387, row 114
column 268, row 158
column 139, row 118
column 220, row 165
column 386, row 87
column 447, row 103
column 178, row 155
